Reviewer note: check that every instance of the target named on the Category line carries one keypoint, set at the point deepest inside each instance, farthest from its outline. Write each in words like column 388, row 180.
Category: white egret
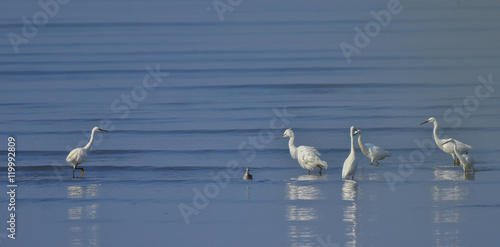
column 350, row 164
column 247, row 175
column 79, row 155
column 308, row 157
column 447, row 147
column 466, row 161
column 375, row 153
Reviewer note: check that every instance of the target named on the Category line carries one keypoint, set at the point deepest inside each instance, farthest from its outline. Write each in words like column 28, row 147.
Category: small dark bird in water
column 247, row 175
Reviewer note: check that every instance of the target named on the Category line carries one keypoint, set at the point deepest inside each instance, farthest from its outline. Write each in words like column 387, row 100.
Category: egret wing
column 77, row 156
column 311, row 155
column 462, row 147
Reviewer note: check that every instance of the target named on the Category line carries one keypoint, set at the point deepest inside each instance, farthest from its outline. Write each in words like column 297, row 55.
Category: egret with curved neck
column 446, row 145
column 466, row 161
column 79, row 155
column 308, row 157
column 375, row 153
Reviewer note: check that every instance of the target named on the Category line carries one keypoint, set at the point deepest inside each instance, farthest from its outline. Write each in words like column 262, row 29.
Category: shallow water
column 232, row 87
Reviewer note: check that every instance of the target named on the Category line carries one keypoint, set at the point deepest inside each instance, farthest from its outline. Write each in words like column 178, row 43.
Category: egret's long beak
column 103, row 130
column 280, row 137
column 425, row 122
column 355, row 132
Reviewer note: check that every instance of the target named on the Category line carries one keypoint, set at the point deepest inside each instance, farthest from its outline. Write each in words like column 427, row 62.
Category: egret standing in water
column 79, row 155
column 466, row 161
column 350, row 164
column 446, row 146
column 375, row 153
column 247, row 175
column 308, row 157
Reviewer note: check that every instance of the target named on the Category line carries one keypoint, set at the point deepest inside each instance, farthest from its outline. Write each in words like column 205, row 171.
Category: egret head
column 98, row 129
column 354, row 131
column 287, row 133
column 430, row 120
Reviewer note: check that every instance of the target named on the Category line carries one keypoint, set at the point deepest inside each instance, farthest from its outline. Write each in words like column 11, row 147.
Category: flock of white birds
column 308, row 157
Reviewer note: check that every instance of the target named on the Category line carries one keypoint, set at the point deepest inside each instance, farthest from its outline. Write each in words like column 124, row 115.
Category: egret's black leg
column 78, row 169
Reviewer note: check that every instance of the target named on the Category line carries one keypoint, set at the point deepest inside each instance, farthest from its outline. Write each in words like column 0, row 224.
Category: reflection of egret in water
column 453, row 193
column 445, row 217
column 301, row 192
column 295, row 213
column 349, row 190
column 302, row 236
column 349, row 193
column 452, row 174
column 310, row 178
column 299, row 231
column 84, row 236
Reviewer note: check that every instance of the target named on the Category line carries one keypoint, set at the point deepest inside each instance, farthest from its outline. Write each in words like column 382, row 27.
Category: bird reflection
column 295, row 213
column 310, row 178
column 301, row 192
column 301, row 236
column 451, row 193
column 447, row 218
column 248, row 192
column 349, row 194
column 453, row 174
column 298, row 214
column 349, row 190
column 84, row 236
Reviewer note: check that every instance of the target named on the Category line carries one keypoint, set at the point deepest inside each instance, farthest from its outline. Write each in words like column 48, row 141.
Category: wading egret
column 79, row 155
column 247, row 175
column 447, row 147
column 466, row 161
column 350, row 164
column 375, row 153
column 308, row 157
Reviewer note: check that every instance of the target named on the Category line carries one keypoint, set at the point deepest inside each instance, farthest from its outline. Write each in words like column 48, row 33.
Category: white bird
column 446, row 146
column 466, row 161
column 79, row 155
column 247, row 175
column 308, row 157
column 375, row 153
column 350, row 164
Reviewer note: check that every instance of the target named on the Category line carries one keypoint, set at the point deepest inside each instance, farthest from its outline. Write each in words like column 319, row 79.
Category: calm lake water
column 191, row 100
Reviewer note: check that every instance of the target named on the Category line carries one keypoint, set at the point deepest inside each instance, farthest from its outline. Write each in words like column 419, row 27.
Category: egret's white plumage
column 79, row 155
column 447, row 146
column 466, row 161
column 375, row 153
column 350, row 164
column 307, row 156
